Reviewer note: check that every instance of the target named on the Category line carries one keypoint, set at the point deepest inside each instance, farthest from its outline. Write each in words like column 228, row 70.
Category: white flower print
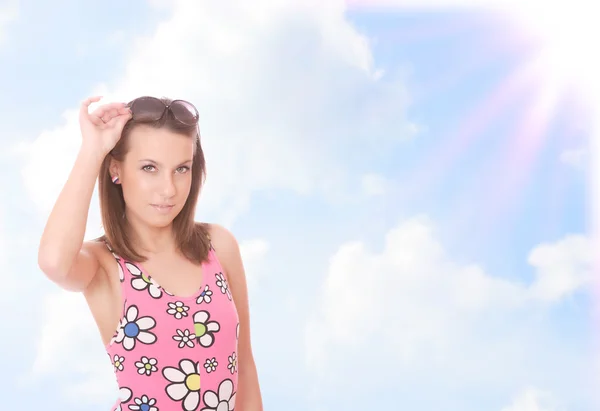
column 141, row 281
column 118, row 362
column 146, row 365
column 222, row 283
column 178, row 310
column 205, row 329
column 122, row 321
column 185, row 384
column 232, row 363
column 134, row 329
column 211, row 364
column 124, row 396
column 143, row 404
column 223, row 401
column 185, row 338
column 205, row 296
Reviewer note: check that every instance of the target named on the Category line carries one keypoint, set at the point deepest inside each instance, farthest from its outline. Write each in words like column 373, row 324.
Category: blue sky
column 403, row 248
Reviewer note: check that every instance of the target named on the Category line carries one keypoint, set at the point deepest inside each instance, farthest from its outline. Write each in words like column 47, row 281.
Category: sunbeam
column 558, row 40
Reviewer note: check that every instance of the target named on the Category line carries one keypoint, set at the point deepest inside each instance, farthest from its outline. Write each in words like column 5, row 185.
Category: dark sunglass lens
column 147, row 109
column 184, row 112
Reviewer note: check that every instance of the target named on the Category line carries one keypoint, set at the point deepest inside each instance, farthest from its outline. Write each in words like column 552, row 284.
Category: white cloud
column 428, row 5
column 9, row 12
column 373, row 184
column 412, row 275
column 49, row 160
column 561, row 267
column 431, row 5
column 275, row 84
column 533, row 400
column 70, row 347
column 253, row 254
column 574, row 157
column 423, row 311
column 10, row 243
column 9, row 276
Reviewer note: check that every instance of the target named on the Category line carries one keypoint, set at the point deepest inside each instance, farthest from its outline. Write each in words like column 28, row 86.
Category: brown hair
column 191, row 237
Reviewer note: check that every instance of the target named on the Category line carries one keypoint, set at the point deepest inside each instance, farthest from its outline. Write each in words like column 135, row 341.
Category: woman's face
column 156, row 174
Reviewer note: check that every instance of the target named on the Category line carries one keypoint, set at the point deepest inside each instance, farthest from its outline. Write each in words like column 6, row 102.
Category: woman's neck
column 152, row 240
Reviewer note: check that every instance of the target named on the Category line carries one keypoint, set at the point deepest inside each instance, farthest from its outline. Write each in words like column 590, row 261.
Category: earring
column 115, row 179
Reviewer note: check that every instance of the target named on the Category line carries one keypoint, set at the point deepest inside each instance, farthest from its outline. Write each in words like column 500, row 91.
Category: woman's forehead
column 159, row 143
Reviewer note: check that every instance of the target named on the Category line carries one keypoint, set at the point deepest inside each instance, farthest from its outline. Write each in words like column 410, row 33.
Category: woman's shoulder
column 97, row 246
column 102, row 250
column 227, row 250
column 217, row 233
column 223, row 241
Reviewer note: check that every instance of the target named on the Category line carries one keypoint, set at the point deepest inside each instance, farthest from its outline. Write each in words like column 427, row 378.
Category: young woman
column 168, row 294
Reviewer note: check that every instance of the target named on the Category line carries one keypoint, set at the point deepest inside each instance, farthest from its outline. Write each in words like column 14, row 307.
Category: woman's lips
column 163, row 208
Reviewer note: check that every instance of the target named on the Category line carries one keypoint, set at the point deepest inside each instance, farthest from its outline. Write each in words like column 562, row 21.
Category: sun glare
column 568, row 58
column 568, row 61
column 560, row 67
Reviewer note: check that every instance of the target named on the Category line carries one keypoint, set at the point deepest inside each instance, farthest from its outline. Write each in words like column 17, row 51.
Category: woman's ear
column 114, row 169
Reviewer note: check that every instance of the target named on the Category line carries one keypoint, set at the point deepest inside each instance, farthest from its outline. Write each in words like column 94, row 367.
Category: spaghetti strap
column 106, row 243
column 120, row 261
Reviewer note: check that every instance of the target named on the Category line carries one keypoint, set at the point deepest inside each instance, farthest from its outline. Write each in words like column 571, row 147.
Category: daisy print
column 118, row 362
column 135, row 329
column 185, row 338
column 222, row 284
column 146, row 366
column 205, row 296
column 232, row 362
column 205, row 329
column 178, row 310
column 122, row 321
column 184, row 384
column 144, row 403
column 211, row 364
column 141, row 281
column 223, row 400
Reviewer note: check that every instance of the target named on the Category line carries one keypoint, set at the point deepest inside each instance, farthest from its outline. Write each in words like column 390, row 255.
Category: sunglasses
column 149, row 109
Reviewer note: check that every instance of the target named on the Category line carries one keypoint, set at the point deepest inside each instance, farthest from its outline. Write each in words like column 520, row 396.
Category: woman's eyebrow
column 149, row 160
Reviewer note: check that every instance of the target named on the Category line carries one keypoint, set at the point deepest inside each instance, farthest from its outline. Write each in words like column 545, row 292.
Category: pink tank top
column 172, row 353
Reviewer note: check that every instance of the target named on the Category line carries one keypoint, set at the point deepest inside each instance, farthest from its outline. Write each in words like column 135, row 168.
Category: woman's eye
column 183, row 169
column 148, row 168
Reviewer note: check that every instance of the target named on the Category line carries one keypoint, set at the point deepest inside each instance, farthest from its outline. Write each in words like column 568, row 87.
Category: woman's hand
column 101, row 129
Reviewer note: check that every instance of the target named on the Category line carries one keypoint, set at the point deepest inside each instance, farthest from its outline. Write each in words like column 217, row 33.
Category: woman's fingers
column 124, row 110
column 85, row 104
column 97, row 121
column 119, row 120
column 108, row 114
column 103, row 109
column 107, row 111
column 104, row 113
